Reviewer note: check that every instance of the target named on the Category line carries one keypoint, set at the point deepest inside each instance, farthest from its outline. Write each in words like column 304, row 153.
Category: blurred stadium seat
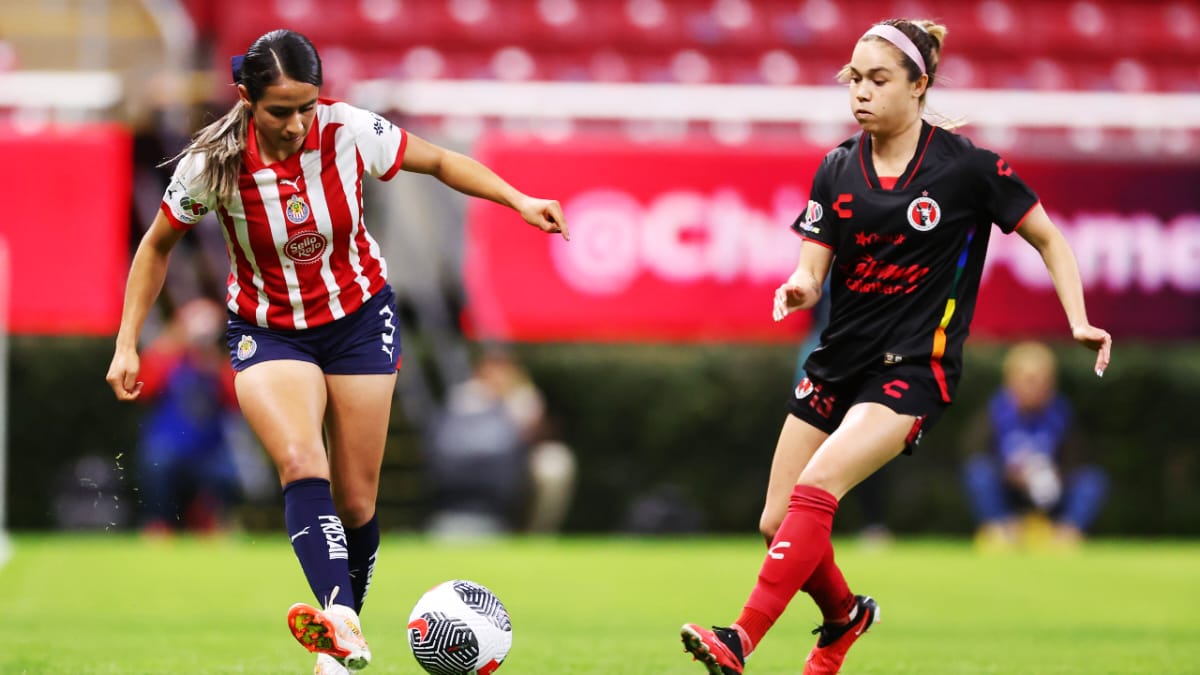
column 1052, row 46
column 562, row 37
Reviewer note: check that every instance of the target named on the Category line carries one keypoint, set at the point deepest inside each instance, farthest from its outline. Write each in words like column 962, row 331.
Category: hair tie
column 900, row 40
column 235, row 67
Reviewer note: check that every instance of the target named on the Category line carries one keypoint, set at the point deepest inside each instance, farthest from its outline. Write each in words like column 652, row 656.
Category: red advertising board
column 688, row 243
column 66, row 226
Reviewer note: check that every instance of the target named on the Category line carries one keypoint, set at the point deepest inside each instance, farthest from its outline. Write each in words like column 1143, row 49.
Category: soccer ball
column 459, row 628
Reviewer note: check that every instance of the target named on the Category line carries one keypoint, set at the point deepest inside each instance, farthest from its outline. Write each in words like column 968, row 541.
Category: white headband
column 900, row 40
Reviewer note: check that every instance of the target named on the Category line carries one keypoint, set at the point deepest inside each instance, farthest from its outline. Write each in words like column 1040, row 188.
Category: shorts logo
column 305, row 246
column 895, row 388
column 923, row 213
column 804, row 388
column 297, row 210
column 247, row 347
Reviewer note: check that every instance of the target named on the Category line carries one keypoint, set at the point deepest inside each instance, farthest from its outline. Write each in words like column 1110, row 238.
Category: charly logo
column 923, row 213
column 247, row 347
column 305, row 247
column 297, row 211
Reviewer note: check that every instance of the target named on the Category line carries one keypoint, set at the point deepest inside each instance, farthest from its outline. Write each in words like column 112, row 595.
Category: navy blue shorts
column 907, row 390
column 365, row 342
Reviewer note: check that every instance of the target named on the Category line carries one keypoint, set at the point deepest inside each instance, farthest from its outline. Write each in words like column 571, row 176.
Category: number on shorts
column 389, row 335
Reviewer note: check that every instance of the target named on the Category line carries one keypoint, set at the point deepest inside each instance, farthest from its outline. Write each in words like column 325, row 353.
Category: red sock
column 828, row 589
column 798, row 548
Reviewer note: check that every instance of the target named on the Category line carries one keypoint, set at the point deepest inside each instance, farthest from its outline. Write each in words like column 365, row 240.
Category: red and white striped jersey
column 299, row 252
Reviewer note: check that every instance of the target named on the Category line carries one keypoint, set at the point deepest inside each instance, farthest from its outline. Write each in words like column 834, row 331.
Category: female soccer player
column 312, row 319
column 900, row 216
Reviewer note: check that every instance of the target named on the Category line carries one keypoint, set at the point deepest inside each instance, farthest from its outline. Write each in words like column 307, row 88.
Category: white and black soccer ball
column 459, row 628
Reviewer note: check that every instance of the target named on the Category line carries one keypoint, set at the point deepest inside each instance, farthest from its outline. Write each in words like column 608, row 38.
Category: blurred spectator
column 1027, row 483
column 161, row 121
column 186, row 470
column 493, row 465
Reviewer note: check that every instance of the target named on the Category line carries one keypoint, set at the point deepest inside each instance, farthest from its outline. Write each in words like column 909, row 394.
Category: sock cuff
column 308, row 487
column 811, row 497
column 373, row 523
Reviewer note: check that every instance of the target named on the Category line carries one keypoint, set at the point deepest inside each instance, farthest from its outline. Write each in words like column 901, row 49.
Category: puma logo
column 294, row 183
column 299, row 534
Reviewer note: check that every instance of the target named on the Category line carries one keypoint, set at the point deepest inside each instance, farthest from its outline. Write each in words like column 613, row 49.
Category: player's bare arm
column 802, row 289
column 146, row 276
column 1043, row 235
column 471, row 177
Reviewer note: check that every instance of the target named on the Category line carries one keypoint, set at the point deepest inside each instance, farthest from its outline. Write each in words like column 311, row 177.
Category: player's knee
column 823, row 481
column 354, row 510
column 299, row 461
column 769, row 524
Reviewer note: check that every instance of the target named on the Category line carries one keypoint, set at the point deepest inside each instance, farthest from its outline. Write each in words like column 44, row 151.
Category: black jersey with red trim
column 907, row 260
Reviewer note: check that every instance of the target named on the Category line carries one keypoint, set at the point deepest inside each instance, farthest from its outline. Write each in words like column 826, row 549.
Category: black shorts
column 364, row 342
column 905, row 389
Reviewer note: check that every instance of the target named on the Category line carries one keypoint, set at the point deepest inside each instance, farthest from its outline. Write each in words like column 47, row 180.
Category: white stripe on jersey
column 268, row 187
column 242, row 245
column 347, row 166
column 314, row 189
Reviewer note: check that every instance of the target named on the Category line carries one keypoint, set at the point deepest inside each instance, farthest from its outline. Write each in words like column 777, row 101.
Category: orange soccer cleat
column 719, row 649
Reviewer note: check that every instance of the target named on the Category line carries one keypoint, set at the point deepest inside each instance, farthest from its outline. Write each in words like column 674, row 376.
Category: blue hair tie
column 235, row 67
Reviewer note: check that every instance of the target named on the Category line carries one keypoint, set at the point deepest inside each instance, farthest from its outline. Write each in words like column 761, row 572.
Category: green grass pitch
column 121, row 604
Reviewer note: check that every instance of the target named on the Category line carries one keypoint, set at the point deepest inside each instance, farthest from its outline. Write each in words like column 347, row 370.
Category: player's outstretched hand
column 122, row 375
column 792, row 296
column 544, row 214
column 1097, row 340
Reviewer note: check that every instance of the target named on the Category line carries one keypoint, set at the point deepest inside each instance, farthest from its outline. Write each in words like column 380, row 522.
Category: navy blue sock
column 318, row 539
column 363, row 545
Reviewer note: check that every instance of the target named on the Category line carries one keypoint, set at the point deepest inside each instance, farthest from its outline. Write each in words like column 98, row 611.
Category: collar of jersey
column 253, row 160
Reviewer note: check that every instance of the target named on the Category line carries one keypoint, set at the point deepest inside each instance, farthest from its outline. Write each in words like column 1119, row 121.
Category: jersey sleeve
column 1006, row 199
column 186, row 199
column 814, row 223
column 380, row 143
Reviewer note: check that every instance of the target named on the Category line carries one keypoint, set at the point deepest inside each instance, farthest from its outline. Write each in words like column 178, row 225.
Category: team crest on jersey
column 804, row 388
column 923, row 213
column 297, row 210
column 305, row 247
column 247, row 347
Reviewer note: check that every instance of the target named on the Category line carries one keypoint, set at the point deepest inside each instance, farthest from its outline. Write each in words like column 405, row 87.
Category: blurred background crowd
column 618, row 382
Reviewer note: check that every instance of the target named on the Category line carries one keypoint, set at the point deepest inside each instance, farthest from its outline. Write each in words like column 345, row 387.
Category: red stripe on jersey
column 917, row 166
column 339, row 212
column 246, row 301
column 888, row 182
column 399, row 158
column 862, row 160
column 175, row 222
column 1022, row 220
column 371, row 266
